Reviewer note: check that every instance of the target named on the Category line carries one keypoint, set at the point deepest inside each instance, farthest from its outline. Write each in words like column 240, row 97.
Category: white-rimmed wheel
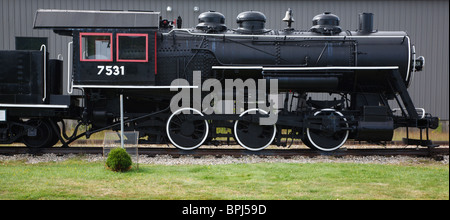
column 185, row 133
column 254, row 136
column 327, row 139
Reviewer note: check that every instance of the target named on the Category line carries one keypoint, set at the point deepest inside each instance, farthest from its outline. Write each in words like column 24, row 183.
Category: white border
column 308, row 68
column 98, row 12
column 249, row 148
column 2, row 115
column 334, row 68
column 189, row 31
column 134, row 87
column 32, row 106
column 409, row 61
column 237, row 67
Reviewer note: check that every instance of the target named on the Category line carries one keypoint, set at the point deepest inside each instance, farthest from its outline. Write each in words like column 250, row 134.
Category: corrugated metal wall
column 427, row 22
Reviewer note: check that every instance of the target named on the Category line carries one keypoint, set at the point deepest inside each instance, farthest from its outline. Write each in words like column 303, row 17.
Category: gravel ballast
column 211, row 160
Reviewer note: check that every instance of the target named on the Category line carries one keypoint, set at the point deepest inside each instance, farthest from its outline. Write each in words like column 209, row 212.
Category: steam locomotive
column 332, row 85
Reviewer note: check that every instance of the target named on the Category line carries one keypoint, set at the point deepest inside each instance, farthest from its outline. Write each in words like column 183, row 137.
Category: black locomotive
column 138, row 55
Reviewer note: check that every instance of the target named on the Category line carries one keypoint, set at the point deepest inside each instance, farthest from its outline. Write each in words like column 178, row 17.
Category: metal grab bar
column 69, row 78
column 45, row 71
column 421, row 110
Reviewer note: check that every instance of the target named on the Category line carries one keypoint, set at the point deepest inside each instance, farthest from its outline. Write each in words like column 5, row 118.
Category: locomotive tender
column 138, row 55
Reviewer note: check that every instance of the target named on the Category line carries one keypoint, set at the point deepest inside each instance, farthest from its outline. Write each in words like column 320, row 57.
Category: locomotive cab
column 111, row 49
column 113, row 58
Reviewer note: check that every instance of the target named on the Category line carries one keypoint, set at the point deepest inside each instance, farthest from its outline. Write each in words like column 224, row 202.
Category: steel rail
column 287, row 153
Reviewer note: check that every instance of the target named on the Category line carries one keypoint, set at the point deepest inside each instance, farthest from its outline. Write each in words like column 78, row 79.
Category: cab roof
column 76, row 19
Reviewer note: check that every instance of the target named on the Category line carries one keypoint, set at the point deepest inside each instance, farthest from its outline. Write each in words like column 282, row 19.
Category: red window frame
column 133, row 35
column 110, row 35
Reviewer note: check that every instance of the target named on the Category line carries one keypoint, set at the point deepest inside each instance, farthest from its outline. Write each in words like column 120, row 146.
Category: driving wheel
column 327, row 139
column 253, row 136
column 185, row 133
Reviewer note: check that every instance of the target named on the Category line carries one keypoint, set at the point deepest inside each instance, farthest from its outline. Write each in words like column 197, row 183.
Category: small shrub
column 118, row 160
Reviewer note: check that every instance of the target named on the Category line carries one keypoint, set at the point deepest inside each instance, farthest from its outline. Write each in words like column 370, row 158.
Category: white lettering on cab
column 111, row 70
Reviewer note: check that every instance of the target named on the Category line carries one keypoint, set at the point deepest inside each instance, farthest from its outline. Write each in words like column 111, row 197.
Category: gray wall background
column 427, row 22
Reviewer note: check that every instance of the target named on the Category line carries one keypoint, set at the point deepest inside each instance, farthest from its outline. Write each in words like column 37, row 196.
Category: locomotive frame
column 138, row 55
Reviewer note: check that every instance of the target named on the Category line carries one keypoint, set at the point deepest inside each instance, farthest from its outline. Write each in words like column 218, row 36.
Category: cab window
column 132, row 47
column 96, row 47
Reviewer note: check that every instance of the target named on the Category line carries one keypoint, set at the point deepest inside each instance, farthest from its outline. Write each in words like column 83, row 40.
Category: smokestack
column 365, row 23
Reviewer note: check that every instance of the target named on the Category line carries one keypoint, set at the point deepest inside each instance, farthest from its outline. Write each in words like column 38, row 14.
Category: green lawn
column 77, row 179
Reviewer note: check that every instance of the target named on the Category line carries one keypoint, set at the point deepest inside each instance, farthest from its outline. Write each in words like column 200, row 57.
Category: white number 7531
column 111, row 70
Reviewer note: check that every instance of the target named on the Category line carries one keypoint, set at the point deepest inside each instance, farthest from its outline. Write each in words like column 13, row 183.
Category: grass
column 77, row 179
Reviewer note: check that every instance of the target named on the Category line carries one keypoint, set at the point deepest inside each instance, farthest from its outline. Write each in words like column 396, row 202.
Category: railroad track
column 287, row 153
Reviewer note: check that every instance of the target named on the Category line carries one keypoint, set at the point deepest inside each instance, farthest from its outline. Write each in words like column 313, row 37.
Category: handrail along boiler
column 139, row 55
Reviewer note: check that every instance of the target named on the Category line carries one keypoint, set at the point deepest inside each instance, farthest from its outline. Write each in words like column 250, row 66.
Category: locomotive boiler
column 142, row 57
